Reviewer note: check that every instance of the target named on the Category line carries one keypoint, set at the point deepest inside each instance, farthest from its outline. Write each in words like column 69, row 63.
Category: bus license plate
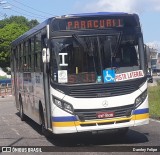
column 105, row 115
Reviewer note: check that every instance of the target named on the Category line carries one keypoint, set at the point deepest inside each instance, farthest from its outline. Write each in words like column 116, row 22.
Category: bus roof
column 96, row 14
column 31, row 31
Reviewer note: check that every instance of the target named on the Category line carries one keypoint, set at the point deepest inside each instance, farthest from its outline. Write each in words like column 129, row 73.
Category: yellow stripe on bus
column 77, row 123
column 63, row 124
column 142, row 116
column 107, row 121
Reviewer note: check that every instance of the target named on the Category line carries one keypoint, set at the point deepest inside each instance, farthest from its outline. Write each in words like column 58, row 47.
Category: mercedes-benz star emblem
column 105, row 103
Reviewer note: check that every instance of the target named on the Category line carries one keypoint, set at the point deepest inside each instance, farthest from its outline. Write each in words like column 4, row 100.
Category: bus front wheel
column 22, row 115
column 43, row 128
column 44, row 131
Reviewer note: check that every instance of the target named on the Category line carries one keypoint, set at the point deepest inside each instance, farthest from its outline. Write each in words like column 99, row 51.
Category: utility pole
column 2, row 3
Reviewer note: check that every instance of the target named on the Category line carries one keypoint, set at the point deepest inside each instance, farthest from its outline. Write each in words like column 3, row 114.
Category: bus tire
column 21, row 113
column 43, row 128
column 44, row 131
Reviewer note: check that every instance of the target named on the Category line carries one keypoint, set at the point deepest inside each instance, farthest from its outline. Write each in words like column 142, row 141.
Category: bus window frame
column 38, row 53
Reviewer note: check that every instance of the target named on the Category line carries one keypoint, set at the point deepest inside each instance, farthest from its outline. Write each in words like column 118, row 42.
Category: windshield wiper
column 79, row 41
column 113, row 53
column 118, row 43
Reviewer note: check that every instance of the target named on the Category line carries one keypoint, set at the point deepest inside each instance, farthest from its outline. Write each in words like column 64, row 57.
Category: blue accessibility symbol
column 109, row 76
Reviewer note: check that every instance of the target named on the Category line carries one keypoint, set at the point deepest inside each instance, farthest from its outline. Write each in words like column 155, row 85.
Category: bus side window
column 44, row 41
column 25, row 56
column 32, row 48
column 29, row 55
column 38, row 56
column 20, row 58
column 17, row 59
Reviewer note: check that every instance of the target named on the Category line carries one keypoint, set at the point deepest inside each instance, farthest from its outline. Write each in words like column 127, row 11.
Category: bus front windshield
column 83, row 59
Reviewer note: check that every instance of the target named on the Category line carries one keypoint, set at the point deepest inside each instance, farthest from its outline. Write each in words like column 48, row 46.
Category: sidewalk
column 5, row 89
column 7, row 98
column 152, row 84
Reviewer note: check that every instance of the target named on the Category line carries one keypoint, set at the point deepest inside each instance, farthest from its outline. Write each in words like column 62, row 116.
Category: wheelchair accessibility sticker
column 109, row 76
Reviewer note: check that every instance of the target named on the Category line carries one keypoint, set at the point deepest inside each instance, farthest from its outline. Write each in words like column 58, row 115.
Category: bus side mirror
column 45, row 55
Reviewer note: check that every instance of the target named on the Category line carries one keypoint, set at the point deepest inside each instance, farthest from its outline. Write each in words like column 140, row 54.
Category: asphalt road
column 14, row 132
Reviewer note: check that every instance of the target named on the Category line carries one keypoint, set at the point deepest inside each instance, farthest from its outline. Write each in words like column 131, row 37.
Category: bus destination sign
column 93, row 24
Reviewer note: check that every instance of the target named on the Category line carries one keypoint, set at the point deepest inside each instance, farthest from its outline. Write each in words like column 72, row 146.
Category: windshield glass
column 94, row 59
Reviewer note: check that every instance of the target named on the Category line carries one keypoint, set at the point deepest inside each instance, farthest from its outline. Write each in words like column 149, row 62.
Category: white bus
column 82, row 73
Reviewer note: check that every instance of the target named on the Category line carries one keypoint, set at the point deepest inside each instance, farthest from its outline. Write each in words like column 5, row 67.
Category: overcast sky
column 148, row 11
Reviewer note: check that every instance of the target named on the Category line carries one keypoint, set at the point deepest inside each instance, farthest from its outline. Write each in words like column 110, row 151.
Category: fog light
column 67, row 107
column 140, row 99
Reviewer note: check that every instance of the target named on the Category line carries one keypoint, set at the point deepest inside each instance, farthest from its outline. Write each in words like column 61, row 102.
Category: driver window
column 127, row 56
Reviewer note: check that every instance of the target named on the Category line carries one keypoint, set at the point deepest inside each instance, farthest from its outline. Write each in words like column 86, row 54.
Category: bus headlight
column 140, row 99
column 58, row 103
column 63, row 105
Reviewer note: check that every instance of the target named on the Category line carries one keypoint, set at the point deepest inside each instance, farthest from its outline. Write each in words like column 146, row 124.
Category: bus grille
column 105, row 90
column 90, row 114
column 100, row 90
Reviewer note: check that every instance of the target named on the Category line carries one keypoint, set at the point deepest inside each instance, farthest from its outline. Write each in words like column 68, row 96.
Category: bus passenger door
column 46, row 84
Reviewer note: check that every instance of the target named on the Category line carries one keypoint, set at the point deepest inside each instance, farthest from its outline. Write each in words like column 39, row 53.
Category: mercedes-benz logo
column 105, row 103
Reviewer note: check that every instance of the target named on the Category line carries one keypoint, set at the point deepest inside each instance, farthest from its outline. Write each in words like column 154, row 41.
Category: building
column 153, row 58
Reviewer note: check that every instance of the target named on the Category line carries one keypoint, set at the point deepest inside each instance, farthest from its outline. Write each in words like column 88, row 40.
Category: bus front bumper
column 71, row 124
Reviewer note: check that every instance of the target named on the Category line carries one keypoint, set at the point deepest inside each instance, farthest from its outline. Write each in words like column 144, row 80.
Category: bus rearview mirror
column 45, row 55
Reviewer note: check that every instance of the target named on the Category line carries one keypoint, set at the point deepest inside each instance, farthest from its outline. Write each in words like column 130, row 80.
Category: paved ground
column 14, row 132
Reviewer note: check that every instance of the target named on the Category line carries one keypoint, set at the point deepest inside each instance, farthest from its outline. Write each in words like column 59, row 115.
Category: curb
column 154, row 120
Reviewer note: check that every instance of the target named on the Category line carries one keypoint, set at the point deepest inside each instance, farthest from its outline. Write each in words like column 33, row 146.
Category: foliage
column 154, row 100
column 3, row 77
column 10, row 29
column 32, row 23
column 19, row 20
column 8, row 34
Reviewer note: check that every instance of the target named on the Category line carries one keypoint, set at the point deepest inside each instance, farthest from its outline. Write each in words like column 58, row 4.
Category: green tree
column 10, row 29
column 19, row 20
column 7, row 34
column 32, row 23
